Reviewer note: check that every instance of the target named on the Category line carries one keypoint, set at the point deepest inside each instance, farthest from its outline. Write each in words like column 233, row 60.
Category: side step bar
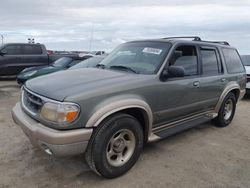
column 180, row 126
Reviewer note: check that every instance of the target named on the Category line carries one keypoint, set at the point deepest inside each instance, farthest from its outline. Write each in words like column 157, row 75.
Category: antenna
column 2, row 38
column 91, row 37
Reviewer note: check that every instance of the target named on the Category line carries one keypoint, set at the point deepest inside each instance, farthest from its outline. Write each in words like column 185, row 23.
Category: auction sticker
column 152, row 50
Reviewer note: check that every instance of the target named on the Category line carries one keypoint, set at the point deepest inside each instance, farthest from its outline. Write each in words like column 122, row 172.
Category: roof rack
column 218, row 42
column 195, row 38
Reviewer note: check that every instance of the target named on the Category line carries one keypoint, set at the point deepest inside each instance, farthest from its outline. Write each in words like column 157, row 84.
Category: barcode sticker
column 152, row 51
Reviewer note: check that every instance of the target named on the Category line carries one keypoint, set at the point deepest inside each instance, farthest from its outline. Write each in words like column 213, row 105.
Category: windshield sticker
column 152, row 51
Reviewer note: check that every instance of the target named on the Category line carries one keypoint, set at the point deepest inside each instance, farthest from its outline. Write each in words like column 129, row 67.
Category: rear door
column 10, row 62
column 212, row 80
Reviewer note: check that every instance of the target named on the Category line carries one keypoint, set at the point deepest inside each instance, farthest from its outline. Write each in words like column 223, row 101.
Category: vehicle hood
column 62, row 84
column 247, row 69
column 33, row 69
column 49, row 69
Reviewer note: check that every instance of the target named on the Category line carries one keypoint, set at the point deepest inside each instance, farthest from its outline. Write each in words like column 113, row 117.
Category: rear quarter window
column 233, row 61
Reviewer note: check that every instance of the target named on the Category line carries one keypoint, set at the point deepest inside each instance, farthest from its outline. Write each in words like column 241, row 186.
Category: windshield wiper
column 123, row 68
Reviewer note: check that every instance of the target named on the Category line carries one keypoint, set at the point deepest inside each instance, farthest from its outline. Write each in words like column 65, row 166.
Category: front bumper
column 56, row 142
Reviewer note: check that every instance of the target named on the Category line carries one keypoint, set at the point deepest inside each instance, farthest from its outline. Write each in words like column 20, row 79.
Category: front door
column 180, row 96
column 10, row 61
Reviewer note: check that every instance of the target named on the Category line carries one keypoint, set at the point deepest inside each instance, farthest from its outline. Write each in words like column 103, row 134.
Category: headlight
column 60, row 113
column 30, row 73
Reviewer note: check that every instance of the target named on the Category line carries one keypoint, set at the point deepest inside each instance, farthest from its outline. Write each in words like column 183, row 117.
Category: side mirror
column 2, row 53
column 173, row 71
column 176, row 71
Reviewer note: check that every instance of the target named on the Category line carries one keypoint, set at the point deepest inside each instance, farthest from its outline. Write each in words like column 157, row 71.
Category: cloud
column 67, row 24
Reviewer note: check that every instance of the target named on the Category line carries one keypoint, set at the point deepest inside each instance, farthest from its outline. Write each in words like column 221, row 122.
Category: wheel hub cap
column 228, row 109
column 120, row 148
column 119, row 145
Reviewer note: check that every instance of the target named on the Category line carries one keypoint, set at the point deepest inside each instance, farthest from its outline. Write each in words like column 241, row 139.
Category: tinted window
column 210, row 64
column 12, row 50
column 32, row 49
column 233, row 61
column 91, row 62
column 186, row 57
column 62, row 62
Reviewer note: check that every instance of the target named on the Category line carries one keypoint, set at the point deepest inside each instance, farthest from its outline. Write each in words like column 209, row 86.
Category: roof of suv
column 196, row 40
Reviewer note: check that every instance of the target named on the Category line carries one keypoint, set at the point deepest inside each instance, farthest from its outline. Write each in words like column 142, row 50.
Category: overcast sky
column 67, row 24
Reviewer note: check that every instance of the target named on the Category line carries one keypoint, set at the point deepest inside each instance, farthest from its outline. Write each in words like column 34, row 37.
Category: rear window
column 32, row 49
column 233, row 61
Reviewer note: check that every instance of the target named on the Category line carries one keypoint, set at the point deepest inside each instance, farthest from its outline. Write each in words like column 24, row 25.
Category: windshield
column 91, row 62
column 246, row 60
column 139, row 57
column 62, row 62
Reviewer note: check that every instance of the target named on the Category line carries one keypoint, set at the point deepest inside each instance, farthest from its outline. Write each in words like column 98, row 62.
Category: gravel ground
column 204, row 156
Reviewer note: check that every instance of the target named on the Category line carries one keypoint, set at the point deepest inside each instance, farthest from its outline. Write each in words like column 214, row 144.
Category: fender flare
column 107, row 110
column 228, row 88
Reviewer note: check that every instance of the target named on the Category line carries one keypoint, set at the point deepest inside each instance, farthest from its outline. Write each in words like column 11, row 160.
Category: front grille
column 31, row 102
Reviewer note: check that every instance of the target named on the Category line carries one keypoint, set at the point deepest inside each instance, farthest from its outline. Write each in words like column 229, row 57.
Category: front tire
column 115, row 146
column 227, row 111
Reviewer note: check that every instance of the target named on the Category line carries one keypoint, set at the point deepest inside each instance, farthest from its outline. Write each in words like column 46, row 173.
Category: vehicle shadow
column 246, row 97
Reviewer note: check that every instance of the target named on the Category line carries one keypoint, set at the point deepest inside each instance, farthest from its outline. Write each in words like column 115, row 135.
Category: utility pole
column 91, row 37
column 2, row 38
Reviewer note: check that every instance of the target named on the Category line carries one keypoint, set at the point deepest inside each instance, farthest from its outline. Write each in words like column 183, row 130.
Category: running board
column 165, row 131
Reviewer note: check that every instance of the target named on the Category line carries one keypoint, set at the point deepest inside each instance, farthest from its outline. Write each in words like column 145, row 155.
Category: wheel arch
column 134, row 107
column 230, row 87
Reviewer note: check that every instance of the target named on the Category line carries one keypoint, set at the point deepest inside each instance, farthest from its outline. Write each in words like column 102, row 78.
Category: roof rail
column 195, row 38
column 218, row 42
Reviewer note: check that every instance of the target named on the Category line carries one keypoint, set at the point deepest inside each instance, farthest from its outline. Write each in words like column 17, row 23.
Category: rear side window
column 210, row 63
column 12, row 50
column 233, row 61
column 32, row 49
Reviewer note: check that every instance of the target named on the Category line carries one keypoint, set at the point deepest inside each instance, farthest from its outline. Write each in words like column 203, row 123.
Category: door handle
column 223, row 79
column 196, row 84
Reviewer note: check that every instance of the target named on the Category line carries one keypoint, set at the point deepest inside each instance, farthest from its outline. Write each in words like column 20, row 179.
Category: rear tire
column 227, row 111
column 115, row 146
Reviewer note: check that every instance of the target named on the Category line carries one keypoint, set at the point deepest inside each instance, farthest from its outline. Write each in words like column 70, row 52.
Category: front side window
column 233, row 61
column 210, row 63
column 12, row 50
column 139, row 57
column 185, row 56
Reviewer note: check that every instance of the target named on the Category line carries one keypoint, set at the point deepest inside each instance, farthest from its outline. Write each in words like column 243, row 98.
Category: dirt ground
column 204, row 156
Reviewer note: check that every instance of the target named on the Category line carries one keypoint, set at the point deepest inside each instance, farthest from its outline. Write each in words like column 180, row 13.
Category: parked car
column 90, row 62
column 93, row 53
column 14, row 57
column 60, row 64
column 142, row 92
column 246, row 62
